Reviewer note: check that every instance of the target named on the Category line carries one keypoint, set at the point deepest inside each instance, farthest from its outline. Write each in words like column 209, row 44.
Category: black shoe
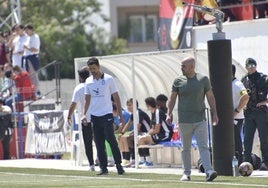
column 263, row 167
column 120, row 169
column 103, row 172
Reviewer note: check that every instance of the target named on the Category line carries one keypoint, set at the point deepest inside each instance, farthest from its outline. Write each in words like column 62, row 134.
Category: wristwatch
column 236, row 110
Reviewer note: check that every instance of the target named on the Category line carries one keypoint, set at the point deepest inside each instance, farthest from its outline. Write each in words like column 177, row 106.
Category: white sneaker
column 211, row 175
column 185, row 177
column 124, row 162
column 130, row 164
column 92, row 168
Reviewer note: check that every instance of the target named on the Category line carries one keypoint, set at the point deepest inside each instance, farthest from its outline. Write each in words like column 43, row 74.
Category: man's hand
column 215, row 119
column 84, row 120
column 69, row 120
column 168, row 120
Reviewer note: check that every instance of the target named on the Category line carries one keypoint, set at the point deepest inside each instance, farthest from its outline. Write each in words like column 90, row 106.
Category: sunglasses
column 251, row 66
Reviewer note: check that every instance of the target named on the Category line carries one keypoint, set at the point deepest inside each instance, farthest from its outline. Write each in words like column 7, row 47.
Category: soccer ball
column 245, row 169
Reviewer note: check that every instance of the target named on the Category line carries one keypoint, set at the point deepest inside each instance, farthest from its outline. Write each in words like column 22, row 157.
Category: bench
column 168, row 153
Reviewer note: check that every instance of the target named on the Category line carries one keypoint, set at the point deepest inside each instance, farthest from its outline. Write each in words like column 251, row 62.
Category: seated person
column 160, row 130
column 24, row 87
column 6, row 83
column 126, row 138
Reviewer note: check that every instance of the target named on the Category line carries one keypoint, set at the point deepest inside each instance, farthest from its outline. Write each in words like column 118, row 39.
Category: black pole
column 57, row 78
column 220, row 69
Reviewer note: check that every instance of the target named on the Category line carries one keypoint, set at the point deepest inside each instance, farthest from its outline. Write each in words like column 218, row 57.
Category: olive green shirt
column 191, row 95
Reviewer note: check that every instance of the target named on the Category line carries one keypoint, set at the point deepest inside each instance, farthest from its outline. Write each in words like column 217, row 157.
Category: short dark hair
column 93, row 61
column 29, row 26
column 251, row 61
column 162, row 97
column 151, row 102
column 8, row 73
column 83, row 73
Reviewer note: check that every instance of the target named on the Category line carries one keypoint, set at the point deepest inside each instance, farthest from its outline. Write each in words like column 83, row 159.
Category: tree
column 62, row 26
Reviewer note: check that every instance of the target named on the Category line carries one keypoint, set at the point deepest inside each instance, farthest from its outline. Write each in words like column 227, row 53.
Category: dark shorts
column 161, row 137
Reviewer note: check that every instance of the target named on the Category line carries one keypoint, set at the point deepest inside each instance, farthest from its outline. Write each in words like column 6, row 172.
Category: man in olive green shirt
column 191, row 89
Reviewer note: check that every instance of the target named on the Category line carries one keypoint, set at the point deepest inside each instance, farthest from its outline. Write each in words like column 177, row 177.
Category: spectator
column 31, row 56
column 240, row 99
column 256, row 113
column 6, row 83
column 191, row 89
column 99, row 88
column 24, row 87
column 17, row 42
column 5, row 128
column 159, row 132
column 4, row 51
column 79, row 98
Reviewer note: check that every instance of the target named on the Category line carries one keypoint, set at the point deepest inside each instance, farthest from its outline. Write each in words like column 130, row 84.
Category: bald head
column 188, row 61
column 188, row 66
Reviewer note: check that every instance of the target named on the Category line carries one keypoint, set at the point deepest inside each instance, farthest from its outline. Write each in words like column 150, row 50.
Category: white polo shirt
column 238, row 91
column 18, row 44
column 100, row 91
column 79, row 99
column 32, row 41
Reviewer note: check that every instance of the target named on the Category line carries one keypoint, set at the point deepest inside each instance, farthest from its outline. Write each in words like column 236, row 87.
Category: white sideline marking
column 115, row 178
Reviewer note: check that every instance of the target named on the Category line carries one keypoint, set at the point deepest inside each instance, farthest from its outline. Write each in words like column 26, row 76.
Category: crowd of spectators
column 234, row 10
column 19, row 61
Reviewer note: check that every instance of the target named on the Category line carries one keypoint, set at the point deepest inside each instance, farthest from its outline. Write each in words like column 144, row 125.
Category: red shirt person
column 23, row 83
column 24, row 87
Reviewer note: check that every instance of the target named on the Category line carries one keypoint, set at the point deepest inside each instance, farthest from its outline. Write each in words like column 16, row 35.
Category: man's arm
column 87, row 102
column 212, row 104
column 126, row 126
column 71, row 111
column 242, row 103
column 171, row 104
column 119, row 107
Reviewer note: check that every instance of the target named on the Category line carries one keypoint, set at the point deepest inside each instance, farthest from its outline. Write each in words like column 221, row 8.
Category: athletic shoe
column 211, row 175
column 185, row 178
column 91, row 168
column 130, row 164
column 147, row 164
column 120, row 169
column 125, row 162
column 103, row 172
column 263, row 167
column 141, row 162
column 110, row 163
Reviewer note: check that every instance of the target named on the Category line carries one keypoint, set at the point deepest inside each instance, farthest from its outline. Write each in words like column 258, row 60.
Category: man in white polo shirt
column 31, row 56
column 99, row 88
column 79, row 98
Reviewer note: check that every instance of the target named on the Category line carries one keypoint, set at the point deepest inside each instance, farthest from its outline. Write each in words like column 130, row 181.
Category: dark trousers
column 103, row 130
column 88, row 137
column 34, row 60
column 256, row 119
column 6, row 146
column 238, row 141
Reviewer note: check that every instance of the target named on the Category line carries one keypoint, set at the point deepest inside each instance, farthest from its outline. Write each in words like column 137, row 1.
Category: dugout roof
column 154, row 71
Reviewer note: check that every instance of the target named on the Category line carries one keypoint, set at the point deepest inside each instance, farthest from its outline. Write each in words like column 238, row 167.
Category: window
column 143, row 28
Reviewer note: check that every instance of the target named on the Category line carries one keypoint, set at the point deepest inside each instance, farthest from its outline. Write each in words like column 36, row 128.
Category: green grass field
column 46, row 178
